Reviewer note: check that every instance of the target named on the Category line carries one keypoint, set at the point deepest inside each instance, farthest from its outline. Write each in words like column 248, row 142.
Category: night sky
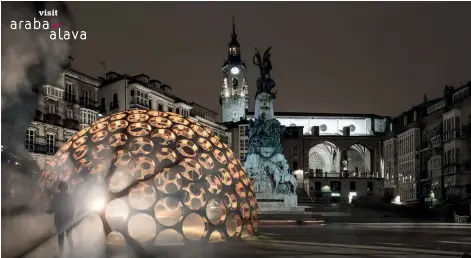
column 328, row 57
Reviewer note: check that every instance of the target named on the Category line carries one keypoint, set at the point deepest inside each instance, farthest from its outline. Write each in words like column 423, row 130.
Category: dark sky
column 327, row 56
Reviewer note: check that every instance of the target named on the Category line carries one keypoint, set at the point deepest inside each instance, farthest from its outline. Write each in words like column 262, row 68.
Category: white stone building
column 64, row 108
column 408, row 162
column 119, row 92
column 390, row 163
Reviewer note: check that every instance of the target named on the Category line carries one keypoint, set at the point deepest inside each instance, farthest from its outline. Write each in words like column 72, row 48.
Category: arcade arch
column 324, row 157
column 359, row 160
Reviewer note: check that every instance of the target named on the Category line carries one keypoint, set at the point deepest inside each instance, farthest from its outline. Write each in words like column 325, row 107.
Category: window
column 30, row 139
column 69, row 91
column 87, row 116
column 69, row 87
column 243, row 130
column 369, row 186
column 51, row 109
column 335, row 186
column 295, row 151
column 295, row 165
column 170, row 109
column 115, row 97
column 86, row 97
column 160, row 106
column 317, row 186
column 142, row 98
column 51, row 91
column 244, row 144
column 405, row 120
column 353, row 186
column 103, row 105
column 70, row 114
column 178, row 111
column 50, row 143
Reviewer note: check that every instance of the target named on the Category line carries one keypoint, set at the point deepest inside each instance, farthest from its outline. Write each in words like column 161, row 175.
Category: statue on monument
column 265, row 162
column 264, row 83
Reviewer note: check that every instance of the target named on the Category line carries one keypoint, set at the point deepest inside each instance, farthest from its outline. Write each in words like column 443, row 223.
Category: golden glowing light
column 181, row 183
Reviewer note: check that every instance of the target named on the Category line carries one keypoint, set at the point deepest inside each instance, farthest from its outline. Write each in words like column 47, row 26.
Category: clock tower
column 234, row 97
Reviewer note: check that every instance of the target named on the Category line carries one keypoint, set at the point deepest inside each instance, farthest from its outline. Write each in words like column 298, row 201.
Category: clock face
column 235, row 70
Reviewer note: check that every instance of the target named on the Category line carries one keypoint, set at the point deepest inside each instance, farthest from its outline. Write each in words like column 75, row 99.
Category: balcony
column 53, row 92
column 70, row 124
column 70, row 98
column 52, row 119
column 41, row 148
column 425, row 145
column 114, row 105
column 88, row 103
column 344, row 175
column 139, row 103
column 436, row 141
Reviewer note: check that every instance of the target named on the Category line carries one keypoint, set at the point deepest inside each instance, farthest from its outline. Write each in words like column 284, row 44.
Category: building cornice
column 82, row 77
column 211, row 123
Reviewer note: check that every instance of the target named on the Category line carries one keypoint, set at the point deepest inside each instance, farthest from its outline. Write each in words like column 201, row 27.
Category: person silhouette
column 63, row 207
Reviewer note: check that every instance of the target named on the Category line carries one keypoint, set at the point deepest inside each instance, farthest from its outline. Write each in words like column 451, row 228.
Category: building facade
column 64, row 108
column 432, row 161
column 119, row 92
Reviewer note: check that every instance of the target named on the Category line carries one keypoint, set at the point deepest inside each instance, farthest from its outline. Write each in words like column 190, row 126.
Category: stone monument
column 274, row 185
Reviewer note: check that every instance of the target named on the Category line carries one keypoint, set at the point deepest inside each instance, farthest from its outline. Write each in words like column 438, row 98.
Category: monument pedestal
column 279, row 203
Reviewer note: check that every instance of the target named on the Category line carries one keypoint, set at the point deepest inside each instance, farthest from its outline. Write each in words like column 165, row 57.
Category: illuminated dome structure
column 169, row 181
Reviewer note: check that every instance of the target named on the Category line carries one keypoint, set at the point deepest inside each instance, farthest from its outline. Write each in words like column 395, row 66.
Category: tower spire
column 234, row 42
column 233, row 27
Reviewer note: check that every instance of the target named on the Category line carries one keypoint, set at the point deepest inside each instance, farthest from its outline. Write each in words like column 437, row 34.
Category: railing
column 52, row 119
column 436, row 141
column 114, row 105
column 70, row 98
column 41, row 148
column 344, row 175
column 71, row 124
column 88, row 103
column 140, row 102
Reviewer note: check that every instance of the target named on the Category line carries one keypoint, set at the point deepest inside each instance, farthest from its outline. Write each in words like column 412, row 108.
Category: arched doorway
column 324, row 157
column 359, row 160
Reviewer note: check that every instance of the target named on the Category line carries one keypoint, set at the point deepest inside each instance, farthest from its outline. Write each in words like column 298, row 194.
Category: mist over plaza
column 209, row 129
